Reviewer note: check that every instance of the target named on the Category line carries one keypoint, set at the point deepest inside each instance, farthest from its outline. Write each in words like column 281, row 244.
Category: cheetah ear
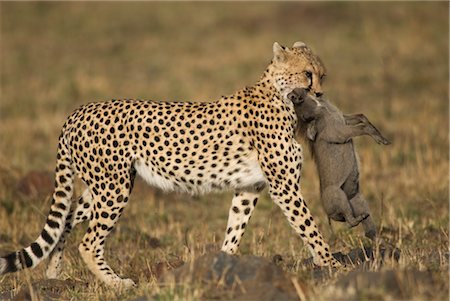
column 299, row 44
column 279, row 53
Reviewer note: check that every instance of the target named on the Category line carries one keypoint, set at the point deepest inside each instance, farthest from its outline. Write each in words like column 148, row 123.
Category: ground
column 387, row 60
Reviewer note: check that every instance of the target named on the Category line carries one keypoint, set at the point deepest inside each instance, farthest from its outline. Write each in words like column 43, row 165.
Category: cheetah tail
column 32, row 255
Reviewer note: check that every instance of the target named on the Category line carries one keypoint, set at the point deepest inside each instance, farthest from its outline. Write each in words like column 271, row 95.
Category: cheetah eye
column 308, row 74
column 322, row 77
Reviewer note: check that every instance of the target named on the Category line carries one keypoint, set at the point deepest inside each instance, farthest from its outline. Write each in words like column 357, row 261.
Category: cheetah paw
column 124, row 283
column 334, row 263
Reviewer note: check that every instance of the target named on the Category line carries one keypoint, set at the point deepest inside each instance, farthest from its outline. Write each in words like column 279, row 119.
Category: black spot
column 60, row 193
column 236, row 209
column 55, row 214
column 45, row 236
column 52, row 224
column 36, row 248
column 61, row 206
column 25, row 259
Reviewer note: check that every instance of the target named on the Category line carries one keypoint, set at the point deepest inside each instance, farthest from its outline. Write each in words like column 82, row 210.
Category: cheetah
column 243, row 142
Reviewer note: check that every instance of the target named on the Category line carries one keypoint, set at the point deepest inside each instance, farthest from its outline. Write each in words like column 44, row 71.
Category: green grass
column 387, row 60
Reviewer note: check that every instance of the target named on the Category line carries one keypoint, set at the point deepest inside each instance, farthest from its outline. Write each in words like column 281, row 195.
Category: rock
column 245, row 278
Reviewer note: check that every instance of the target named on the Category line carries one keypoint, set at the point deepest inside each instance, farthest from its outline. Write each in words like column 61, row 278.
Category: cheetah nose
column 318, row 94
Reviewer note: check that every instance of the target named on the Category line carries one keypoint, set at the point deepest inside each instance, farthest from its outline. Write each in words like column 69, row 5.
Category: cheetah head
column 296, row 67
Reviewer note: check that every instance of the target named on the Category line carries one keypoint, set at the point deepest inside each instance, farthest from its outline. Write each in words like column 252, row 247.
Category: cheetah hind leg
column 76, row 215
column 241, row 210
column 104, row 217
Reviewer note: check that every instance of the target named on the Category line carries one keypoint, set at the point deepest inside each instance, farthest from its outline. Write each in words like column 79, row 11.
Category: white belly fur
column 152, row 178
column 249, row 175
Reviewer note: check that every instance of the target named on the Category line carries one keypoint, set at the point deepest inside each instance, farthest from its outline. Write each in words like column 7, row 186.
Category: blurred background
column 387, row 60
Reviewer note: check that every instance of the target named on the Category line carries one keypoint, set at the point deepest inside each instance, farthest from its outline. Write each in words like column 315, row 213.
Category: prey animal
column 329, row 133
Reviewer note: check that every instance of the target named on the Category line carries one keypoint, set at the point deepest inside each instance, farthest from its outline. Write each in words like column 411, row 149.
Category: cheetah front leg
column 241, row 210
column 282, row 168
column 80, row 213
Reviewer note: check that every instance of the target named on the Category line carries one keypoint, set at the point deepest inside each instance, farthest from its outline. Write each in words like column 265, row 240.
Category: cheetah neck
column 262, row 95
column 263, row 90
column 267, row 81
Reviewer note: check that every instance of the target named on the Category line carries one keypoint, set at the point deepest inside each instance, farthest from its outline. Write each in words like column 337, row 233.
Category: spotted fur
column 244, row 141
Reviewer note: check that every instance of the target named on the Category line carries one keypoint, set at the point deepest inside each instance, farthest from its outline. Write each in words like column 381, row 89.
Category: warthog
column 329, row 133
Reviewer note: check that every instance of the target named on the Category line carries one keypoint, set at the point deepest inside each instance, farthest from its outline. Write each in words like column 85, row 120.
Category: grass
column 388, row 60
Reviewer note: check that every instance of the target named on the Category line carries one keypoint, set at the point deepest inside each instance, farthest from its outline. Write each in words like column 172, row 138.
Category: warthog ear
column 311, row 130
column 279, row 53
column 299, row 44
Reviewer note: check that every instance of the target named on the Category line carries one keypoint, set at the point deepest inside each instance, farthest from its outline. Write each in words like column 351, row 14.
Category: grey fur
column 330, row 133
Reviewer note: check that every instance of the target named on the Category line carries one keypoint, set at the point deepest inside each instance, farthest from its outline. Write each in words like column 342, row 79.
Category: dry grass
column 388, row 60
